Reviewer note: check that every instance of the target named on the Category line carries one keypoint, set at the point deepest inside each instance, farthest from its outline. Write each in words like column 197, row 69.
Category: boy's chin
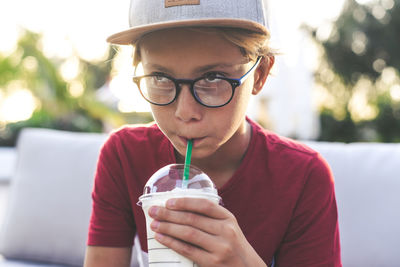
column 179, row 153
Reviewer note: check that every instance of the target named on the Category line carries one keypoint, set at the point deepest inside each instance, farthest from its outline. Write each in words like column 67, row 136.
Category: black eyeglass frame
column 178, row 82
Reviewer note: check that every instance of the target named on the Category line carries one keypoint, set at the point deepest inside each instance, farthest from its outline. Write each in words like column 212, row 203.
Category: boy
column 203, row 60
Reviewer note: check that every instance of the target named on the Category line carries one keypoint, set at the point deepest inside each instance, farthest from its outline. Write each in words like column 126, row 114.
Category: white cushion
column 8, row 157
column 367, row 181
column 50, row 197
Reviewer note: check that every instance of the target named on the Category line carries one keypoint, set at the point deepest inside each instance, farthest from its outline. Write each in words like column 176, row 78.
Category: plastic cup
column 167, row 183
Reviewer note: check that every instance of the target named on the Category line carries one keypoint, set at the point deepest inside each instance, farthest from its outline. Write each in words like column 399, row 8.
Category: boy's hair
column 251, row 44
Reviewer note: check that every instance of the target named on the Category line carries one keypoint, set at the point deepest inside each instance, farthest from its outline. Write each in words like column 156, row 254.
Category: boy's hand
column 204, row 232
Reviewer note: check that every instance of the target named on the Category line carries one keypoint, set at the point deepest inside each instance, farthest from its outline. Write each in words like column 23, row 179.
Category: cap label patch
column 169, row 3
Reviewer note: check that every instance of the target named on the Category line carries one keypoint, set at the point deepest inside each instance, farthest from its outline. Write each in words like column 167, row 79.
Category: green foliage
column 361, row 67
column 57, row 107
column 360, row 38
column 384, row 128
column 73, row 121
column 387, row 123
column 340, row 131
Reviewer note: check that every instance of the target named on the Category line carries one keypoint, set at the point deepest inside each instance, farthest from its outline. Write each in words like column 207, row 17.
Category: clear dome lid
column 171, row 176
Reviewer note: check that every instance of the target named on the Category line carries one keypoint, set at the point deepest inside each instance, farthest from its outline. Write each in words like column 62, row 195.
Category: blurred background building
column 336, row 78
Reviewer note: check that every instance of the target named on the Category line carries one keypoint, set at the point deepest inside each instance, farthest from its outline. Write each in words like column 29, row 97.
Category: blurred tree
column 66, row 103
column 358, row 76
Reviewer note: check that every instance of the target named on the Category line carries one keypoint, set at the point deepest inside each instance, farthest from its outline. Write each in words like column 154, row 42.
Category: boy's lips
column 196, row 140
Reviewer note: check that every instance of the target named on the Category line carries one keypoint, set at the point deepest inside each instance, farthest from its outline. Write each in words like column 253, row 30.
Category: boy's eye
column 213, row 76
column 161, row 78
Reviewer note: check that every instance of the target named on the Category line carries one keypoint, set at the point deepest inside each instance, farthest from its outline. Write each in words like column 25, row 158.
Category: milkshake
column 167, row 183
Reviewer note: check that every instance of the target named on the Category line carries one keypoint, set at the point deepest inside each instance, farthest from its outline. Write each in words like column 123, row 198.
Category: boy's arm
column 107, row 256
column 312, row 238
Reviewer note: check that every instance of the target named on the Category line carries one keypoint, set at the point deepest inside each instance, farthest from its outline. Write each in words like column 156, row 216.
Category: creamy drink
column 165, row 184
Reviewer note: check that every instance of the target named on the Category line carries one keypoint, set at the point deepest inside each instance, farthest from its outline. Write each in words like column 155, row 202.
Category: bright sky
column 83, row 25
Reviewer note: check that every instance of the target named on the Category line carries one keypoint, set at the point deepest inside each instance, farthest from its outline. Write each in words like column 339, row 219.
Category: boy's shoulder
column 281, row 142
column 137, row 134
column 288, row 158
column 139, row 142
column 275, row 142
column 137, row 131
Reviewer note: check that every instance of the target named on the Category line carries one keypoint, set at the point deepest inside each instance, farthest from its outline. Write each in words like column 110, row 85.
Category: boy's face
column 189, row 54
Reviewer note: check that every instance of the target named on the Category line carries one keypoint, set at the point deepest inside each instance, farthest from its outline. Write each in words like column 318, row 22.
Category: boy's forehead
column 190, row 53
column 199, row 67
column 190, row 68
column 186, row 42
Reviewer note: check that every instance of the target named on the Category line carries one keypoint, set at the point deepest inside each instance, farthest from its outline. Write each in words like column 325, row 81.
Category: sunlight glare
column 70, row 69
column 17, row 106
column 389, row 75
column 9, row 30
column 359, row 106
column 122, row 86
column 395, row 92
column 57, row 45
column 387, row 4
column 30, row 63
column 364, row 2
column 8, row 45
column 75, row 88
column 129, row 96
column 324, row 31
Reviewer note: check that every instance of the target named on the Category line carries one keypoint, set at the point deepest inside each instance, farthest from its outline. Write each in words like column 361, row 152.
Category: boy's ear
column 262, row 72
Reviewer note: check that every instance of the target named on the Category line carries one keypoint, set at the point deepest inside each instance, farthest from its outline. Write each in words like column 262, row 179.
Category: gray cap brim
column 131, row 35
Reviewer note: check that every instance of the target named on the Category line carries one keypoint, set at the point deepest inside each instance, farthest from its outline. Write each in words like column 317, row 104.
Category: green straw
column 187, row 164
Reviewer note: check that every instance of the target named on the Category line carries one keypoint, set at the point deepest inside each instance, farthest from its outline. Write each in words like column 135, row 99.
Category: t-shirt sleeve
column 111, row 223
column 312, row 238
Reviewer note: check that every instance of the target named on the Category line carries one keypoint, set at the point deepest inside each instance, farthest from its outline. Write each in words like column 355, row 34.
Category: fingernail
column 153, row 211
column 154, row 225
column 171, row 203
column 159, row 237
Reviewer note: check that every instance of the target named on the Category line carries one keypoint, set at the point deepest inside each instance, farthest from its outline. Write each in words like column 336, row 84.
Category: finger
column 204, row 249
column 204, row 223
column 198, row 205
column 186, row 234
column 196, row 254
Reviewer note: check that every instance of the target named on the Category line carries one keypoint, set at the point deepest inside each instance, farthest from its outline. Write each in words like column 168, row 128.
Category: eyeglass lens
column 209, row 91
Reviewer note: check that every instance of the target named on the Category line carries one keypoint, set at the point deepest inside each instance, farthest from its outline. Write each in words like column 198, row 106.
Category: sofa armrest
column 367, row 182
column 50, row 197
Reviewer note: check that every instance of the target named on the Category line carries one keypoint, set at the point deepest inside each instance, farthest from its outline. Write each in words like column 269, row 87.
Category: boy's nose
column 187, row 108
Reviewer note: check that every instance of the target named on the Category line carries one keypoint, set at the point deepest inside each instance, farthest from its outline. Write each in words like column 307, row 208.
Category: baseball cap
column 146, row 16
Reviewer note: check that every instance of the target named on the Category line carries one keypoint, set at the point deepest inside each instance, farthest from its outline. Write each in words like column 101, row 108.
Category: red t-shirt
column 282, row 195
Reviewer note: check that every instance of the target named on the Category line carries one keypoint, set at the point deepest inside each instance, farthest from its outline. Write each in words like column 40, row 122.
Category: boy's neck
column 221, row 165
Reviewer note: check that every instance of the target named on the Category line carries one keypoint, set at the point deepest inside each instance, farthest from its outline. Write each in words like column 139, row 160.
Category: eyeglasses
column 210, row 90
